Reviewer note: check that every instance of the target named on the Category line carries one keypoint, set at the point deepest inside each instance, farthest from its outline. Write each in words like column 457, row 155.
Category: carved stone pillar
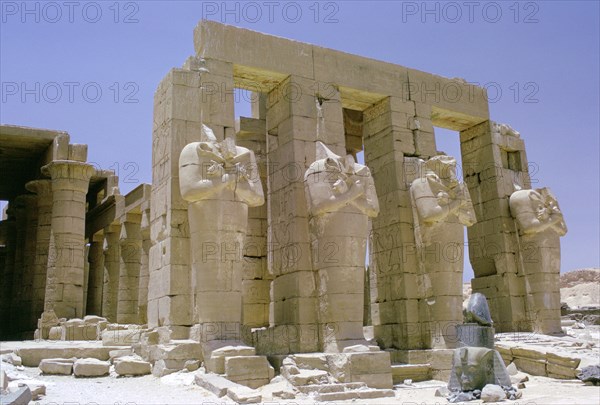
column 130, row 241
column 144, row 267
column 110, row 289
column 16, row 293
column 65, row 277
column 6, row 282
column 43, row 189
column 96, row 274
column 28, row 318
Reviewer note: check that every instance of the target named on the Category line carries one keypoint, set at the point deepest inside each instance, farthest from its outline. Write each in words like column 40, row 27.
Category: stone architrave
column 541, row 224
column 341, row 198
column 220, row 181
column 441, row 208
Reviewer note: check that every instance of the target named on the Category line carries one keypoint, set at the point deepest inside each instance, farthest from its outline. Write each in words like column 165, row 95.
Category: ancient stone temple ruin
column 250, row 245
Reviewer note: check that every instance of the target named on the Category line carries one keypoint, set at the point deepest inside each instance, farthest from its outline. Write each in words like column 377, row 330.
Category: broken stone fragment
column 37, row 388
column 478, row 310
column 492, row 393
column 12, row 358
column 590, row 374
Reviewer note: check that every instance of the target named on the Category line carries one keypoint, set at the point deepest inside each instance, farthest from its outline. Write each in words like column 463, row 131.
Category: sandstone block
column 244, row 395
column 131, row 365
column 529, row 366
column 215, row 352
column 37, row 388
column 90, row 368
column 251, row 371
column 57, row 366
column 214, row 383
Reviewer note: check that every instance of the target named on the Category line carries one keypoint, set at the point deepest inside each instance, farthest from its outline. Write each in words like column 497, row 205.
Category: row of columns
column 117, row 287
column 43, row 265
column 46, row 264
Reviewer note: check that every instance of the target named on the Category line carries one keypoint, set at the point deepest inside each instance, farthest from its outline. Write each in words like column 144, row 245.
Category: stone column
column 389, row 134
column 130, row 241
column 43, row 189
column 144, row 267
column 65, row 278
column 110, row 289
column 16, row 293
column 29, row 318
column 96, row 274
column 6, row 282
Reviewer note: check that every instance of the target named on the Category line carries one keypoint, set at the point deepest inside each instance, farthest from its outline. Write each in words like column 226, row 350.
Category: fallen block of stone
column 176, row 350
column 307, row 377
column 32, row 356
column 327, row 388
column 78, row 331
column 414, row 372
column 215, row 352
column 21, row 396
column 251, row 371
column 590, row 374
column 3, row 380
column 57, row 366
column 214, row 383
column 37, row 388
column 244, row 395
column 192, row 365
column 91, row 368
column 162, row 368
column 132, row 366
column 531, row 366
column 115, row 354
column 12, row 358
column 372, row 368
column 311, row 361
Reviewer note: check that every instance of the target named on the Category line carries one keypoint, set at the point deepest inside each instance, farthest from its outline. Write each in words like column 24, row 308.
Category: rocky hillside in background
column 581, row 276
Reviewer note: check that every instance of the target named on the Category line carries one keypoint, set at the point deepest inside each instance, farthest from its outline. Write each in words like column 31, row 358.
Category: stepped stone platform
column 32, row 352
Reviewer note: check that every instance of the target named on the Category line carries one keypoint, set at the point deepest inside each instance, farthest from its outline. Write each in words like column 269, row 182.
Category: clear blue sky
column 542, row 55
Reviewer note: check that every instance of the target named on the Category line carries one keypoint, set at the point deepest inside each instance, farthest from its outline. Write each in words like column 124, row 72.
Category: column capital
column 41, row 187
column 69, row 169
